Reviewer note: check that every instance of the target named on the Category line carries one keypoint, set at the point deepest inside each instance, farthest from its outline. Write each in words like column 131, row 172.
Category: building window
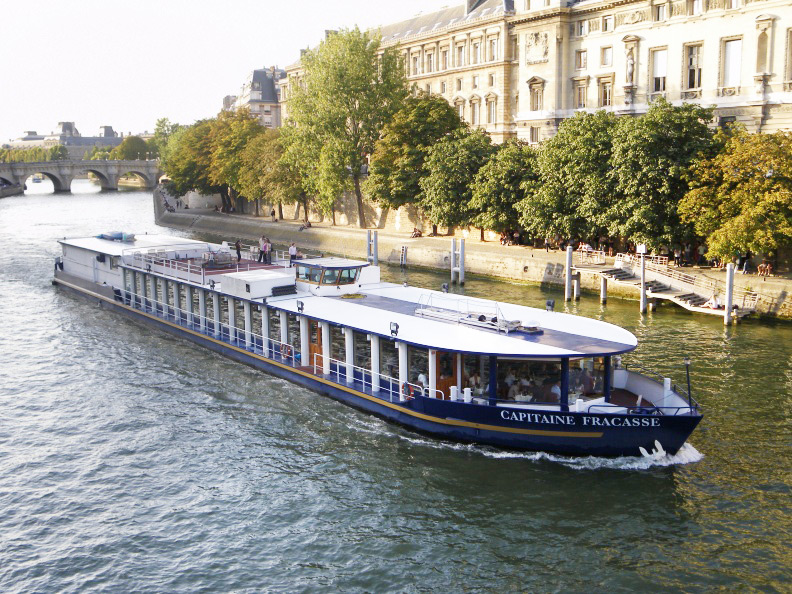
column 732, row 4
column 527, row 4
column 580, row 94
column 693, row 66
column 492, row 80
column 443, row 88
column 430, row 63
column 429, row 88
column 605, row 93
column 606, row 56
column 581, row 28
column 533, row 135
column 660, row 12
column 581, row 59
column 493, row 50
column 476, row 58
column 607, row 24
column 474, row 113
column 491, row 108
column 536, row 98
column 726, row 121
column 459, row 84
column 460, row 55
column 659, row 70
column 461, row 110
column 444, row 59
column 475, row 82
column 732, row 62
column 515, row 47
column 694, row 7
column 415, row 65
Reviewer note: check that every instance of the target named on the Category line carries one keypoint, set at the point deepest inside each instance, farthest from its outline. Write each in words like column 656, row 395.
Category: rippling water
column 132, row 460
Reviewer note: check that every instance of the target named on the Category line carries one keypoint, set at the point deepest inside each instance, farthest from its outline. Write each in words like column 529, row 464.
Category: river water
column 132, row 460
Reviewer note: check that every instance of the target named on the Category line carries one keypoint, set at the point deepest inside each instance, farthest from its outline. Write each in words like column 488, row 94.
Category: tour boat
column 462, row 369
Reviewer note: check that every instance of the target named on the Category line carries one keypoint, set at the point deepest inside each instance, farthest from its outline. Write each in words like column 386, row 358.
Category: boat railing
column 660, row 379
column 647, row 409
column 345, row 373
column 282, row 352
column 463, row 311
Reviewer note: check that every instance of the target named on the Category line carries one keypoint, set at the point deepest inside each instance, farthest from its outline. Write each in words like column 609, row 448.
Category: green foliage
column 741, row 198
column 132, row 148
column 349, row 91
column 187, row 159
column 501, row 184
column 651, row 155
column 576, row 192
column 397, row 162
column 230, row 133
column 264, row 175
column 451, row 166
column 31, row 155
column 58, row 153
column 163, row 130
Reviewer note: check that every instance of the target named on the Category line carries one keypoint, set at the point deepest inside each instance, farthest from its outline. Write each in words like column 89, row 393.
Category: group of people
column 265, row 250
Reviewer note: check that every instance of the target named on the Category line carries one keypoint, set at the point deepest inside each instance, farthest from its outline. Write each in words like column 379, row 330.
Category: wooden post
column 643, row 284
column 727, row 313
column 603, row 288
column 568, row 275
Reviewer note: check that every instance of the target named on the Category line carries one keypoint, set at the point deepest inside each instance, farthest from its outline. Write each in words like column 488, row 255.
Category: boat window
column 314, row 274
column 348, row 276
column 302, row 273
column 529, row 381
column 330, row 276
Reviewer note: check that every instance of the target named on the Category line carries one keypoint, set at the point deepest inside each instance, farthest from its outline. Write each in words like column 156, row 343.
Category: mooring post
column 453, row 259
column 603, row 289
column 643, row 283
column 576, row 285
column 461, row 264
column 375, row 248
column 727, row 314
column 568, row 275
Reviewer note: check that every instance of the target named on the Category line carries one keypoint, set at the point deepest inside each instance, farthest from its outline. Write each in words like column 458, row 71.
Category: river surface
column 134, row 461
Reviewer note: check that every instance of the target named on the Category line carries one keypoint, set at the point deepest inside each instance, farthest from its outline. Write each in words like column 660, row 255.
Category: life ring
column 408, row 391
column 286, row 351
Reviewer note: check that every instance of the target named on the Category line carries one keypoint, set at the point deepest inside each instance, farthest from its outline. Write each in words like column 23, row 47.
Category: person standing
column 269, row 250
column 292, row 254
column 262, row 257
column 272, row 214
column 238, row 246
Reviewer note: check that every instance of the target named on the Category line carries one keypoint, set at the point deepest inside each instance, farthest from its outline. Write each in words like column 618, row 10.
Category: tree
column 229, row 134
column 501, row 184
column 575, row 190
column 58, row 153
column 651, row 155
column 163, row 130
column 451, row 166
column 350, row 89
column 741, row 198
column 131, row 148
column 187, row 158
column 398, row 158
column 265, row 176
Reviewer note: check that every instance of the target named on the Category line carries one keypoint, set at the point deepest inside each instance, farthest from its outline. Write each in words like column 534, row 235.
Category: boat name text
column 551, row 419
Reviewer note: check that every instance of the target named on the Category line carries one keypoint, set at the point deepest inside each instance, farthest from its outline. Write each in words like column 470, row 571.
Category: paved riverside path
column 521, row 263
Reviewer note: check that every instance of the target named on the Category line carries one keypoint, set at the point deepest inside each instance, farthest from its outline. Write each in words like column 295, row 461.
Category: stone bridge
column 61, row 173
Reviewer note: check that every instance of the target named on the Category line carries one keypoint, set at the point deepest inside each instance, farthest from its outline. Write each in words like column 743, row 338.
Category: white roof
column 563, row 335
column 331, row 262
column 261, row 274
column 141, row 242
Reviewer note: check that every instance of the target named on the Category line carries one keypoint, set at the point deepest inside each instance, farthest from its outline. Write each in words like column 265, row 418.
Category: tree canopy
column 229, row 134
column 264, row 175
column 741, row 197
column 451, row 166
column 501, row 184
column 131, row 148
column 349, row 90
column 187, row 159
column 398, row 158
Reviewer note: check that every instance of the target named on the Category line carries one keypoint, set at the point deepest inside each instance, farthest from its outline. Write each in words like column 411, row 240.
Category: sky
column 126, row 63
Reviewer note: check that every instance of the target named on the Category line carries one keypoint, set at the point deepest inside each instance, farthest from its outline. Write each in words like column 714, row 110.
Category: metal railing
column 590, row 256
column 239, row 337
column 630, row 258
column 463, row 311
column 387, row 386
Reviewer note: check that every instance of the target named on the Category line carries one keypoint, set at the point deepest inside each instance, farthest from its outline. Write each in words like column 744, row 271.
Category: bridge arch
column 149, row 181
column 59, row 183
column 105, row 180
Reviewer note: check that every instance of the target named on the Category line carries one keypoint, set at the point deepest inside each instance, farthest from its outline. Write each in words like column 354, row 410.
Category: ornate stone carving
column 636, row 16
column 678, row 8
column 537, row 47
column 594, row 25
column 728, row 91
column 629, row 94
column 630, row 61
column 691, row 94
column 760, row 83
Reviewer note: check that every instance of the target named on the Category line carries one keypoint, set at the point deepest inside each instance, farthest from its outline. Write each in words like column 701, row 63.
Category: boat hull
column 573, row 433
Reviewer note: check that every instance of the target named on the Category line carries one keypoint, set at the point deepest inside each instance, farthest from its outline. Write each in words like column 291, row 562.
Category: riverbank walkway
column 487, row 258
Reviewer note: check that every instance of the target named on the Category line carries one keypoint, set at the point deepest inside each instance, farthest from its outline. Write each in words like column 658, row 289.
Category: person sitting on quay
column 416, row 232
column 306, row 225
column 713, row 303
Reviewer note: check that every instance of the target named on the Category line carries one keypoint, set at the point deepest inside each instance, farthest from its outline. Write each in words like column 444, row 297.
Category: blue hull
column 571, row 433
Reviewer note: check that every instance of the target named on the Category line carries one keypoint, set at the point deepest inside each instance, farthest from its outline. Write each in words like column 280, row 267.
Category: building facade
column 261, row 95
column 67, row 135
column 518, row 68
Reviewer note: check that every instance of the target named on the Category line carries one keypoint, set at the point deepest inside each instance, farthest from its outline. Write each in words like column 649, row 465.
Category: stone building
column 518, row 68
column 67, row 135
column 261, row 95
